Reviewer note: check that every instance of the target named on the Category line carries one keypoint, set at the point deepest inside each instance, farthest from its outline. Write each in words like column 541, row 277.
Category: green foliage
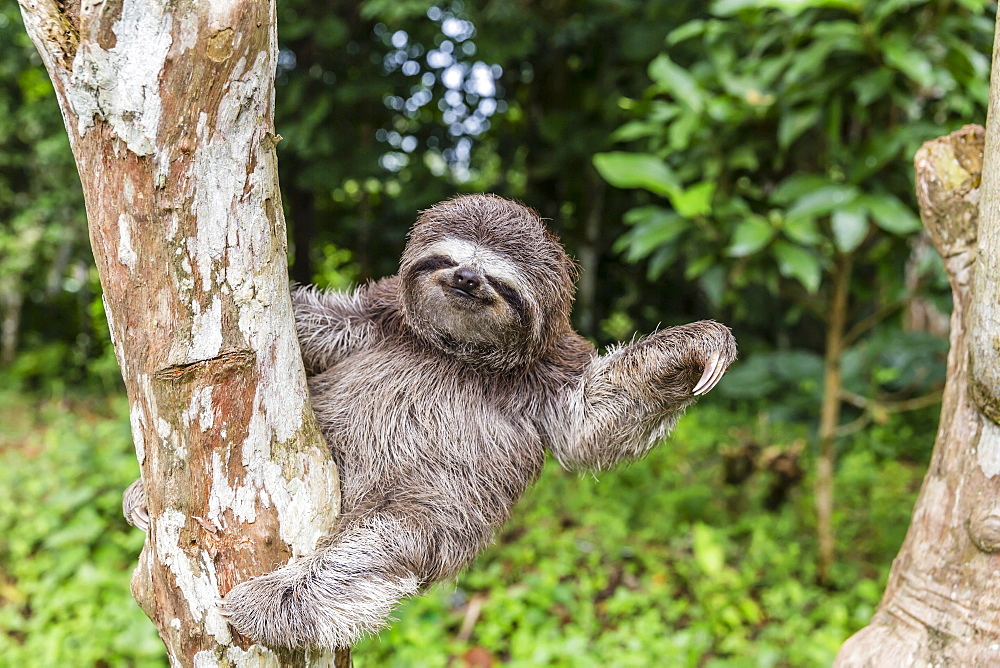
column 47, row 285
column 657, row 561
column 780, row 133
column 333, row 269
column 788, row 385
column 68, row 366
column 66, row 552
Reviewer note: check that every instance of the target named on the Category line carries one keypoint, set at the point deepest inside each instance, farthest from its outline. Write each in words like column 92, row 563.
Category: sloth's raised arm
column 330, row 325
column 628, row 399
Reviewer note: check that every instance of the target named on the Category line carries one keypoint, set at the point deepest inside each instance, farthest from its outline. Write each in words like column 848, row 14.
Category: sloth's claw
column 140, row 518
column 223, row 607
column 720, row 371
column 134, row 506
column 710, row 376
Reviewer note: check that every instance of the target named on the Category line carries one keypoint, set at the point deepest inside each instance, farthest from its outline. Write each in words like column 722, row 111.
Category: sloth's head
column 484, row 279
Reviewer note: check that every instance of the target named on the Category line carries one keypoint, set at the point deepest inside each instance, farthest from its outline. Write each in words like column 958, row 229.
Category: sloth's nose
column 467, row 279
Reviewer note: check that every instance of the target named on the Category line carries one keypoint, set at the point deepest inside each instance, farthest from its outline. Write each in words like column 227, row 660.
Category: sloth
column 439, row 391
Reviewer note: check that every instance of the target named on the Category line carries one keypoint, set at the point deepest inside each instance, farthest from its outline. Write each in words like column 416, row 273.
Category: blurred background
column 743, row 160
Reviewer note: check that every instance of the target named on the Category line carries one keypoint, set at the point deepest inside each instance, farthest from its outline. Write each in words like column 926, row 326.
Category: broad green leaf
column 900, row 52
column 730, row 7
column 798, row 185
column 975, row 5
column 850, row 227
column 34, row 85
column 797, row 365
column 793, row 7
column 752, row 378
column 699, row 265
column 685, row 32
column 743, row 157
column 885, row 8
column 795, row 122
column 751, row 611
column 802, row 230
column 713, row 284
column 890, row 214
column 976, row 65
column 661, row 259
column 696, row 200
column 879, row 151
column 676, row 81
column 635, row 130
column 683, row 130
column 661, row 111
column 798, row 263
column 654, row 227
column 822, row 201
column 642, row 215
column 749, row 237
column 733, row 206
column 846, row 33
column 808, row 61
column 708, row 551
column 637, row 170
column 873, row 85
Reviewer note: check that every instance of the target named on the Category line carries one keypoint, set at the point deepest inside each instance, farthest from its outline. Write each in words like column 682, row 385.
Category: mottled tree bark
column 168, row 105
column 942, row 603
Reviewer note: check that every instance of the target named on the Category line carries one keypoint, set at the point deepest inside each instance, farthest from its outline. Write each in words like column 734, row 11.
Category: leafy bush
column 660, row 561
column 780, row 133
column 788, row 385
column 66, row 553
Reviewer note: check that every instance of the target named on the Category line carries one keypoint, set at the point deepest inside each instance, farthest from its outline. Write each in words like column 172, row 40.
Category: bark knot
column 216, row 368
column 984, row 399
column 220, row 45
column 984, row 530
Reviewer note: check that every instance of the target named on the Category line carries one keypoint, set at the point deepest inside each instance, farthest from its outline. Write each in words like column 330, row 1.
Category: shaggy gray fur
column 439, row 390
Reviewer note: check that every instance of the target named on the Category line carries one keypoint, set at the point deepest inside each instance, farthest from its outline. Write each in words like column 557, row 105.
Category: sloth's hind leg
column 331, row 598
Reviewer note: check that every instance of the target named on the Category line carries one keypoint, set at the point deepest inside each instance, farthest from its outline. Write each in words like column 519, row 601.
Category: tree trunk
column 168, row 106
column 589, row 255
column 830, row 414
column 10, row 317
column 942, row 603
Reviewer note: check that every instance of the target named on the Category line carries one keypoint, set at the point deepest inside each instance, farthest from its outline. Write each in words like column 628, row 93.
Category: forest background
column 737, row 160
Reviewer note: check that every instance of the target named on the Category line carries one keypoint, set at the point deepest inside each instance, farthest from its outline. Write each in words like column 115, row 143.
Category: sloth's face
column 465, row 293
column 483, row 280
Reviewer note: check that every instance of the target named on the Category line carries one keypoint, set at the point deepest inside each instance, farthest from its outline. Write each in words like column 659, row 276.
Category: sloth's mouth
column 463, row 293
column 461, row 297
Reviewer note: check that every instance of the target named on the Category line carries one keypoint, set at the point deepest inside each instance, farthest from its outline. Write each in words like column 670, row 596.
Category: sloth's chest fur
column 398, row 420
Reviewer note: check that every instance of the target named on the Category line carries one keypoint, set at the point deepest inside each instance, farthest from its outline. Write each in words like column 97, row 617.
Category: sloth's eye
column 510, row 296
column 428, row 264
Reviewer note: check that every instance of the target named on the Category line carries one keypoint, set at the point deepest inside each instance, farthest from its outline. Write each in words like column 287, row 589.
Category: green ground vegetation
column 663, row 559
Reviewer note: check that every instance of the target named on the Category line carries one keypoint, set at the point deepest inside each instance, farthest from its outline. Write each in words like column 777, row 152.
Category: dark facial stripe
column 513, row 299
column 427, row 264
